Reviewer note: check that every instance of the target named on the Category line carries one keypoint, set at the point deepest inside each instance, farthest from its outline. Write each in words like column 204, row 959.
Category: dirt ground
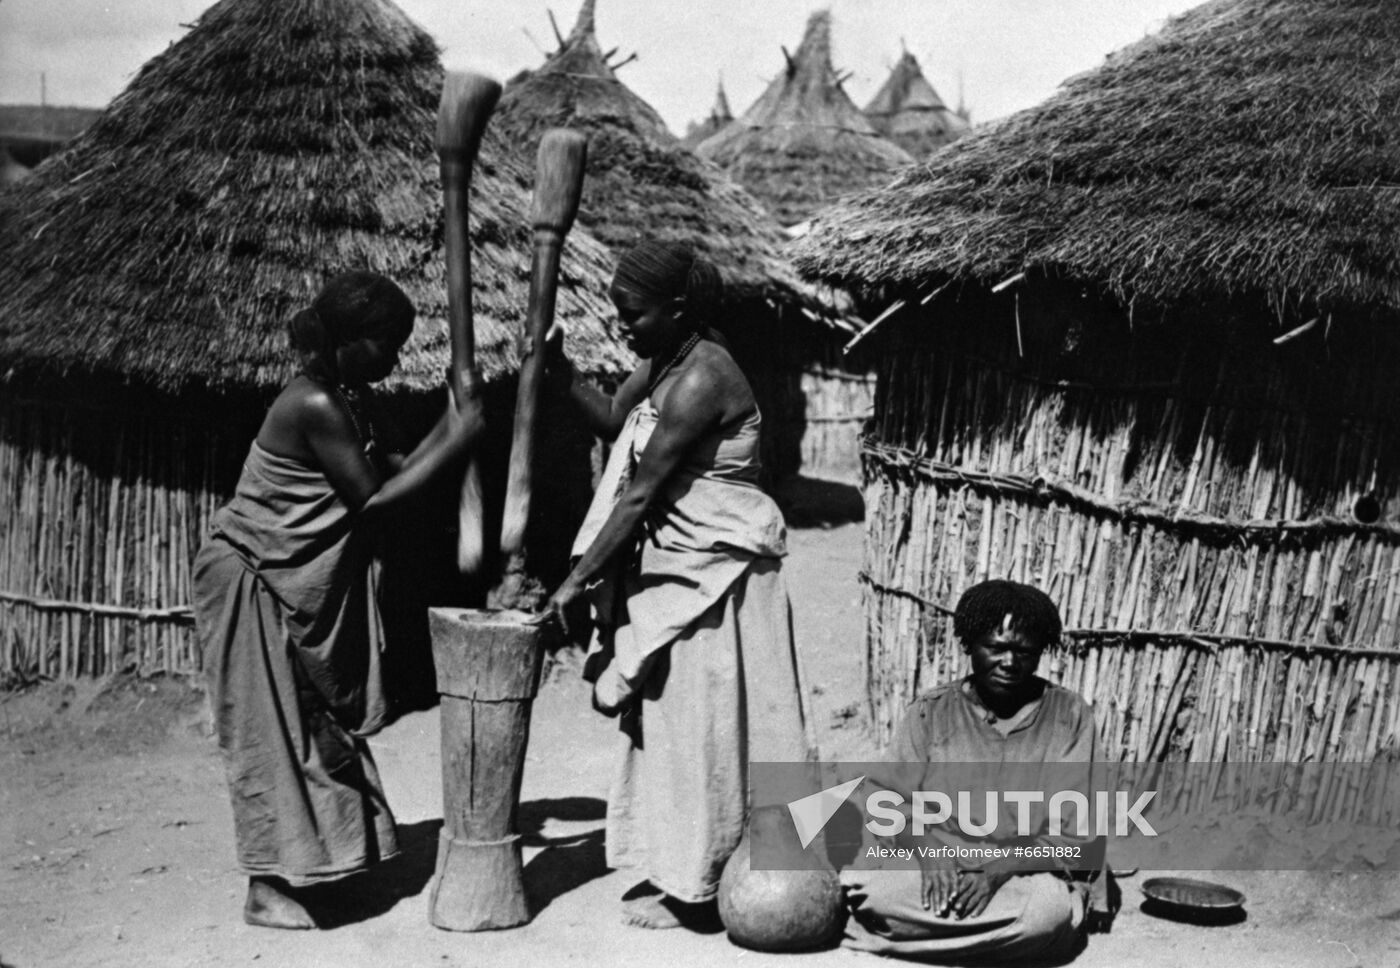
column 116, row 840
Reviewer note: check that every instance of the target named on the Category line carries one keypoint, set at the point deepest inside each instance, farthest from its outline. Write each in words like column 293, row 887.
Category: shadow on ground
column 568, row 861
column 811, row 503
column 566, row 864
column 378, row 890
column 530, row 819
column 1201, row 917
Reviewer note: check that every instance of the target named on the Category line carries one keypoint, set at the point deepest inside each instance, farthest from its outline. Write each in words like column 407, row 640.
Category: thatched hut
column 909, row 112
column 1145, row 360
column 149, row 270
column 643, row 183
column 719, row 116
column 803, row 143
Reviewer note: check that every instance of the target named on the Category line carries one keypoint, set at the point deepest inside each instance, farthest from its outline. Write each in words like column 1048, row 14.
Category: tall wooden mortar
column 488, row 672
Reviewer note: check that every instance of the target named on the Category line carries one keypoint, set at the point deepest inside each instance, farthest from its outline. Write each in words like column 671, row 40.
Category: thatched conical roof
column 803, row 143
column 1253, row 146
column 641, row 182
column 275, row 143
column 909, row 112
column 719, row 116
column 576, row 83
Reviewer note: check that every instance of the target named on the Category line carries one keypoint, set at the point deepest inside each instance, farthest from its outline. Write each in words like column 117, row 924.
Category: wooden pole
column 466, row 105
column 558, row 186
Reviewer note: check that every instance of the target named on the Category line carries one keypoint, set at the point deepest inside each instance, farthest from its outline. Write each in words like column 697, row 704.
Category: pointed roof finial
column 580, row 53
column 816, row 42
column 722, row 109
column 585, row 25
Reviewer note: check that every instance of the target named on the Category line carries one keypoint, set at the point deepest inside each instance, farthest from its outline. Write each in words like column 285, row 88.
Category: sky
column 1003, row 54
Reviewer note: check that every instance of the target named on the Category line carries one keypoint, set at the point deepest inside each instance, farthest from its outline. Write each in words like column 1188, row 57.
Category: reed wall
column 1216, row 515
column 101, row 511
column 837, row 401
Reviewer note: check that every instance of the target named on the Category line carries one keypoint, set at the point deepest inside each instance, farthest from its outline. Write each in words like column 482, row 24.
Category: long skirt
column 307, row 801
column 724, row 693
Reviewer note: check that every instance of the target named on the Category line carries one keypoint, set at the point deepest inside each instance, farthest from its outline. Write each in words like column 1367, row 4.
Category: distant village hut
column 909, row 112
column 719, row 116
column 799, row 147
column 149, row 271
column 643, row 183
column 804, row 144
column 1143, row 356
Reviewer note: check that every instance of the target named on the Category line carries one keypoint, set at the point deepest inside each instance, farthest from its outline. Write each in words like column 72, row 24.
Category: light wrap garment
column 287, row 617
column 1032, row 916
column 697, row 626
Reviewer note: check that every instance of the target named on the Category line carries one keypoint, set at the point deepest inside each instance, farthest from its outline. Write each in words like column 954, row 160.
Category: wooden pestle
column 558, row 186
column 466, row 106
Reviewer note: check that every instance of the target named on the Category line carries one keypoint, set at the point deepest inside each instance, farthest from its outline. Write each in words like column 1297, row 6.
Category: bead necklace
column 364, row 427
column 681, row 352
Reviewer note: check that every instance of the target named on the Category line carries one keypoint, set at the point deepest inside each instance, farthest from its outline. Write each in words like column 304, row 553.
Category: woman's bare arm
column 329, row 434
column 693, row 408
column 604, row 415
column 446, row 449
column 331, row 438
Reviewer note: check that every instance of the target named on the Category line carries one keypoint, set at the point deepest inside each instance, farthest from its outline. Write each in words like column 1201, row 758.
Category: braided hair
column 661, row 271
column 985, row 607
column 350, row 306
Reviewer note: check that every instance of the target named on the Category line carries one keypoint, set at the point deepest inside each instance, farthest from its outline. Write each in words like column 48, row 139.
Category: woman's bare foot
column 270, row 905
column 647, row 906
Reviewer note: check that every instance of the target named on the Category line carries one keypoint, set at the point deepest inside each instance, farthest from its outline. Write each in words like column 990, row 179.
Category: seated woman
column 1001, row 713
column 681, row 557
column 287, row 604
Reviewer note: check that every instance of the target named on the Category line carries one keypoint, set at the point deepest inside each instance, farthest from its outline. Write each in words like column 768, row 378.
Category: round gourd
column 779, row 910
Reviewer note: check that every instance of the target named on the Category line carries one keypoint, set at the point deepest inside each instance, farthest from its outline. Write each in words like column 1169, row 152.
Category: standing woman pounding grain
column 287, row 608
column 681, row 556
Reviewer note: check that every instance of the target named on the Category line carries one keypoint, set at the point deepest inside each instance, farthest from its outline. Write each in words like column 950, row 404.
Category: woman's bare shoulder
column 707, row 380
column 304, row 399
column 728, row 380
column 303, row 406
